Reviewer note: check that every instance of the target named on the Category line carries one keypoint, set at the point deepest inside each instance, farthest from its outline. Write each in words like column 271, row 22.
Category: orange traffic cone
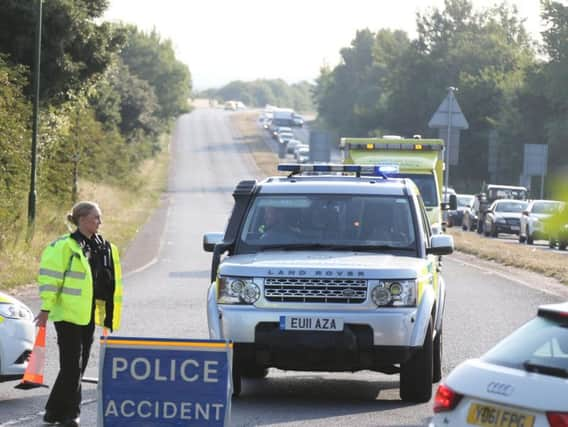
column 33, row 376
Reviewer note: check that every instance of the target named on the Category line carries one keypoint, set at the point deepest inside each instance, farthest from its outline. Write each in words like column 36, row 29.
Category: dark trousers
column 74, row 343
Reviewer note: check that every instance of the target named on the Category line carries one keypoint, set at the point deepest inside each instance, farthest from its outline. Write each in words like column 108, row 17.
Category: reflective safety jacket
column 66, row 285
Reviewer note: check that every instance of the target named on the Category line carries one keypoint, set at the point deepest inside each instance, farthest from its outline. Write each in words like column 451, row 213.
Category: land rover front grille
column 320, row 290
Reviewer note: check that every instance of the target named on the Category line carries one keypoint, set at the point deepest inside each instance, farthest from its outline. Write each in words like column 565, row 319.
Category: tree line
column 107, row 92
column 259, row 93
column 511, row 88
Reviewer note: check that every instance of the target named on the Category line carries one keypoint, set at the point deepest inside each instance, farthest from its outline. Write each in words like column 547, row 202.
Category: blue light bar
column 367, row 170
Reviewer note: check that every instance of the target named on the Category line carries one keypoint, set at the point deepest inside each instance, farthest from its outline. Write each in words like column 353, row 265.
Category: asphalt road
column 165, row 296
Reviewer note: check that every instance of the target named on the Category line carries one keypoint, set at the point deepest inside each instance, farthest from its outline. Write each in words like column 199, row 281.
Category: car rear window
column 541, row 345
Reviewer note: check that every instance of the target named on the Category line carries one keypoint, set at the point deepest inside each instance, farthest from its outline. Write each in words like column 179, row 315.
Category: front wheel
column 416, row 375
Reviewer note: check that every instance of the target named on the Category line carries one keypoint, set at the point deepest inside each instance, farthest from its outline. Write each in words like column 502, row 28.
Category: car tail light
column 446, row 399
column 557, row 419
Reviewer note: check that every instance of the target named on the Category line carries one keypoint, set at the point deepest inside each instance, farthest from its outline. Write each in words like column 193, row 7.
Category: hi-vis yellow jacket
column 66, row 285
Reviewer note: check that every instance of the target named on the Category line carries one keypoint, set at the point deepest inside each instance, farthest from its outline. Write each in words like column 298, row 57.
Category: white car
column 292, row 144
column 533, row 220
column 17, row 333
column 522, row 381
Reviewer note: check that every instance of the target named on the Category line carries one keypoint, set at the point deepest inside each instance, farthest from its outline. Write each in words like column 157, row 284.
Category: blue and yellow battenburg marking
column 172, row 344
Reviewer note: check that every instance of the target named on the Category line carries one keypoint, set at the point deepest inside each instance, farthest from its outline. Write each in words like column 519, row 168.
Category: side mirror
column 441, row 244
column 525, row 213
column 212, row 239
column 451, row 205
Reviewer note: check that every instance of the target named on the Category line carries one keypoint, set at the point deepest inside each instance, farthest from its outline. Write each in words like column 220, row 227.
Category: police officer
column 80, row 284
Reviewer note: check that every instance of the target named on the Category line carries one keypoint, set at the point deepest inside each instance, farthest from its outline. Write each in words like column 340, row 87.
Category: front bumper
column 16, row 342
column 507, row 228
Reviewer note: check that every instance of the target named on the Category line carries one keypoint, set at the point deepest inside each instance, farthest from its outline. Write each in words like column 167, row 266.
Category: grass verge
column 512, row 254
column 246, row 124
column 125, row 209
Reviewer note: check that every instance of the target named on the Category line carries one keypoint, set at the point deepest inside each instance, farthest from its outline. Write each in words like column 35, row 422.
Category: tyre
column 521, row 238
column 562, row 245
column 530, row 239
column 254, row 371
column 237, row 382
column 416, row 374
column 438, row 352
column 464, row 227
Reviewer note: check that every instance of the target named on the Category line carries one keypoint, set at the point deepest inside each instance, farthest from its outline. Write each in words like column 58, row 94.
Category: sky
column 226, row 40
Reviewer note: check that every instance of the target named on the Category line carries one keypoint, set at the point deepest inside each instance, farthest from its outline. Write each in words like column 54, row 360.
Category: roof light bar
column 367, row 170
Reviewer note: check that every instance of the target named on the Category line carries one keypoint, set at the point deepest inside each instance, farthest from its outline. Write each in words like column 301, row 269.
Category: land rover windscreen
column 330, row 222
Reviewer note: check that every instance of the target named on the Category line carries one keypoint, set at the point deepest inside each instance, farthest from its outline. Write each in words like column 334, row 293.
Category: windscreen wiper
column 545, row 369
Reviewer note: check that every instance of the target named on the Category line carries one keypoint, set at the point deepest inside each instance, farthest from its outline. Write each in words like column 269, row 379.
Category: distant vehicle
column 283, row 117
column 521, row 381
column 503, row 216
column 471, row 215
column 533, row 220
column 292, row 144
column 558, row 226
column 495, row 192
column 446, row 193
column 298, row 120
column 17, row 333
column 455, row 217
column 303, row 154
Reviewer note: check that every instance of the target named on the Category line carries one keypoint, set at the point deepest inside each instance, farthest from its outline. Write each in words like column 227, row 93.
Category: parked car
column 303, row 154
column 284, row 137
column 455, row 217
column 277, row 130
column 470, row 219
column 496, row 192
column 298, row 120
column 447, row 192
column 292, row 144
column 558, row 226
column 522, row 381
column 17, row 333
column 503, row 216
column 533, row 220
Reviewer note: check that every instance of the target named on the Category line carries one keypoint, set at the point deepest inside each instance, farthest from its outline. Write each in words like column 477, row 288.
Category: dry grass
column 250, row 134
column 125, row 209
column 512, row 254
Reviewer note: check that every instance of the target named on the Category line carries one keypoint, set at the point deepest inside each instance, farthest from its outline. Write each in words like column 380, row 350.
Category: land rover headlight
column 237, row 290
column 501, row 220
column 394, row 293
column 15, row 311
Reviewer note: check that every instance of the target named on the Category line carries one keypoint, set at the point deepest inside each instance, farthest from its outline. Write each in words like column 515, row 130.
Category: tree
column 152, row 59
column 74, row 47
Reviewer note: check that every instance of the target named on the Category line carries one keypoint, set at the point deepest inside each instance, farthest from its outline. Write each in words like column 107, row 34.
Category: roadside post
column 164, row 382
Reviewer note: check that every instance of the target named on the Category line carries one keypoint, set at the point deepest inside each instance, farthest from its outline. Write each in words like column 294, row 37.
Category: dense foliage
column 259, row 93
column 387, row 83
column 107, row 93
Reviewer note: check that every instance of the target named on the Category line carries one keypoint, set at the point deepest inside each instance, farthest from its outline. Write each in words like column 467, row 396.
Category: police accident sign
column 159, row 382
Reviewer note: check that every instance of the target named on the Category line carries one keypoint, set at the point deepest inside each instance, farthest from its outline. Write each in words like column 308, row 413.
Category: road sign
column 449, row 114
column 535, row 159
column 159, row 382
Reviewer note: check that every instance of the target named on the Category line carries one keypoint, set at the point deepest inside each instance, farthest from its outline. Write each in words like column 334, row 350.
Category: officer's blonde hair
column 81, row 209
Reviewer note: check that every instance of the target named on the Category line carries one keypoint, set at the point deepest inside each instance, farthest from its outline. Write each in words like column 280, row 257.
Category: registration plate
column 498, row 416
column 515, row 227
column 310, row 323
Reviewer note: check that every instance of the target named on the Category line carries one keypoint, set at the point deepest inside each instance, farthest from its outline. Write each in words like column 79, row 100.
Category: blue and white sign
column 164, row 382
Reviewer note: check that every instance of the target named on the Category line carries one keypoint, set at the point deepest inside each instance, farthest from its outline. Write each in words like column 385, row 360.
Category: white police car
column 522, row 381
column 329, row 272
column 17, row 331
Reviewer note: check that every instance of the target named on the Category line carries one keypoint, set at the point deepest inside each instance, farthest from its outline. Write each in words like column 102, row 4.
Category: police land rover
column 331, row 268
